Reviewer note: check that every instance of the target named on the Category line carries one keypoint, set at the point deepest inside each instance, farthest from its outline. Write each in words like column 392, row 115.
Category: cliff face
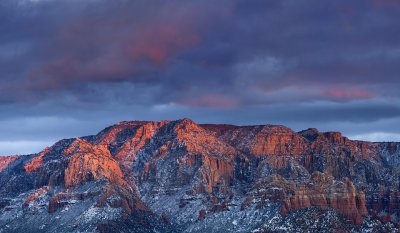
column 178, row 175
column 88, row 162
column 324, row 192
column 263, row 140
column 5, row 161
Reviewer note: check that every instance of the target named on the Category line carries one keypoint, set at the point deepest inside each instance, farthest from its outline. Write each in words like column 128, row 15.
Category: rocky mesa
column 180, row 176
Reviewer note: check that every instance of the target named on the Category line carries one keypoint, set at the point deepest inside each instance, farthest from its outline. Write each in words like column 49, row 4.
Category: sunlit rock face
column 5, row 161
column 179, row 176
column 88, row 162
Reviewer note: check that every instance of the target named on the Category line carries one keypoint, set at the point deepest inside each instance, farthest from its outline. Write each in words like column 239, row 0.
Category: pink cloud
column 346, row 94
column 116, row 50
column 158, row 42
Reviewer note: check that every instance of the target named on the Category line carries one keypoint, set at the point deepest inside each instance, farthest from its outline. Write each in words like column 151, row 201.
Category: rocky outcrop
column 5, row 161
column 61, row 199
column 216, row 175
column 90, row 163
column 324, row 192
column 36, row 162
column 334, row 143
column 37, row 194
column 262, row 140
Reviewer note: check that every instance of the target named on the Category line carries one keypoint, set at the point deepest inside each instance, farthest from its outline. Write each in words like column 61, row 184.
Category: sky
column 70, row 68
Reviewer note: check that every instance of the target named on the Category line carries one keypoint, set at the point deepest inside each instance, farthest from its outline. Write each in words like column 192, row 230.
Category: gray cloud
column 70, row 68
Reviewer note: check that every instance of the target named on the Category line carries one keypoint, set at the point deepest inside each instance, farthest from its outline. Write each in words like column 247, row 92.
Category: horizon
column 70, row 68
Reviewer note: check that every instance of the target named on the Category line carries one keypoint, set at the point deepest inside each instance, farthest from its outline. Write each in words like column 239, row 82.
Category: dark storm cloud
column 190, row 47
column 63, row 63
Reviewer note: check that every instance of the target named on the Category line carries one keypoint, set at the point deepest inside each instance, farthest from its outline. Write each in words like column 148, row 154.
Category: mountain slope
column 179, row 176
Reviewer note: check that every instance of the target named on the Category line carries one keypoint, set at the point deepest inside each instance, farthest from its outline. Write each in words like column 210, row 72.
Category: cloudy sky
column 72, row 67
